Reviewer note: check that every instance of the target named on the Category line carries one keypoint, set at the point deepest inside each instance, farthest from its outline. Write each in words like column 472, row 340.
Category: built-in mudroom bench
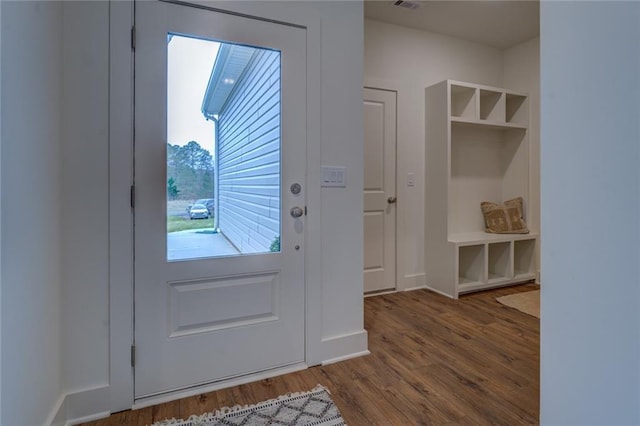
column 477, row 150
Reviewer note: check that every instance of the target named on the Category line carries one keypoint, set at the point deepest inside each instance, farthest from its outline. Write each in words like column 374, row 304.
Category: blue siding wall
column 249, row 157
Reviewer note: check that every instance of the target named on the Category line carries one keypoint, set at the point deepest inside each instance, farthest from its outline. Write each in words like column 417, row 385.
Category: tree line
column 189, row 172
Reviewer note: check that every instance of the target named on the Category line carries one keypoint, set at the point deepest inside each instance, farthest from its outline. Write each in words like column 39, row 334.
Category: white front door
column 219, row 284
column 379, row 190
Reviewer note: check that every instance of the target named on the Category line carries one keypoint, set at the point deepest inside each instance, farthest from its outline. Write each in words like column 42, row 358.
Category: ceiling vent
column 407, row 4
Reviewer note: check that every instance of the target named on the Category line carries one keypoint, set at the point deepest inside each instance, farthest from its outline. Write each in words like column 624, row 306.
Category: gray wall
column 31, row 210
column 590, row 210
column 84, row 173
column 249, row 157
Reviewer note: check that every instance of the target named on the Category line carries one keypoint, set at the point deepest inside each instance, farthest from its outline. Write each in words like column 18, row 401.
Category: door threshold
column 210, row 387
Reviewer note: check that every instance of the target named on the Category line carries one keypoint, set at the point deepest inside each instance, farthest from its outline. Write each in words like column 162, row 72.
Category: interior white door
column 379, row 190
column 203, row 318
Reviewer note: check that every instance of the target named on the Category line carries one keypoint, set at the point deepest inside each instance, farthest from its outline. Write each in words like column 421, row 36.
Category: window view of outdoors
column 223, row 149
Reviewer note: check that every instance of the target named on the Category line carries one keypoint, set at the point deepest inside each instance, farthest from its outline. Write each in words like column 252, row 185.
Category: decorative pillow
column 504, row 218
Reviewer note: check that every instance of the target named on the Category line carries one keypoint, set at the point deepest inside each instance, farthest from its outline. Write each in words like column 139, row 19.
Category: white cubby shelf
column 498, row 260
column 477, row 149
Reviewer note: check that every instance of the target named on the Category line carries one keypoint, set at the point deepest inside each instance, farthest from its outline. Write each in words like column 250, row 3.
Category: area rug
column 528, row 302
column 313, row 408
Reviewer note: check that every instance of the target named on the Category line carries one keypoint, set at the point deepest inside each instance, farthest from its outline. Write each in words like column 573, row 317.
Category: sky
column 190, row 61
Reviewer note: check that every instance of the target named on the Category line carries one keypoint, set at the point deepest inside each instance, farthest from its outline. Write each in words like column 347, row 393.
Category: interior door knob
column 391, row 200
column 296, row 211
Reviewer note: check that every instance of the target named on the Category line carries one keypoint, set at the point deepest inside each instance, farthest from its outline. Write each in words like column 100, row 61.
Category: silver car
column 198, row 211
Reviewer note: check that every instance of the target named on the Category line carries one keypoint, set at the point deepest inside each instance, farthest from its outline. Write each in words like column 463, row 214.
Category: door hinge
column 133, row 38
column 133, row 355
column 132, row 196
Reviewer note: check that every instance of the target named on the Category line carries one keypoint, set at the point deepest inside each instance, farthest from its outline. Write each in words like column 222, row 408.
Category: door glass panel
column 223, row 149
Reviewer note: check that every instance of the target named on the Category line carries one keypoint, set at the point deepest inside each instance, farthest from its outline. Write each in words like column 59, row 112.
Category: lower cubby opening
column 470, row 264
column 499, row 261
column 524, row 258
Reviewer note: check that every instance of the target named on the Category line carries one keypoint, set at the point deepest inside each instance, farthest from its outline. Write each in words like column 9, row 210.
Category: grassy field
column 178, row 219
column 179, row 223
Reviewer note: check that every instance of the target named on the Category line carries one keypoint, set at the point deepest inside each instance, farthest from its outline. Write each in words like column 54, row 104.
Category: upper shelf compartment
column 492, row 105
column 477, row 104
column 463, row 102
column 517, row 109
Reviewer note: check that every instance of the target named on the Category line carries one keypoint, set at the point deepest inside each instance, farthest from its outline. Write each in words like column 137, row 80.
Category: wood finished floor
column 433, row 361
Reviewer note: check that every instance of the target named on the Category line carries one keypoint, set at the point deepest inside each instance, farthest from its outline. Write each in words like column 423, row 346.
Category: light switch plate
column 334, row 176
column 411, row 179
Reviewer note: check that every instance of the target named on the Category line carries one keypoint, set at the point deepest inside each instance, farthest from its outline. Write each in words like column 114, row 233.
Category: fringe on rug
column 200, row 419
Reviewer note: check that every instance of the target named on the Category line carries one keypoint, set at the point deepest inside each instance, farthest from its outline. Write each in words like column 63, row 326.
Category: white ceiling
column 497, row 23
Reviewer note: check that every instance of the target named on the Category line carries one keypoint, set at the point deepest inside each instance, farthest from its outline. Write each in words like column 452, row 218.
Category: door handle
column 392, row 200
column 296, row 212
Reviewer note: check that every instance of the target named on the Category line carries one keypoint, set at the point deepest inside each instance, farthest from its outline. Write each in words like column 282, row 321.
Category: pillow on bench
column 504, row 218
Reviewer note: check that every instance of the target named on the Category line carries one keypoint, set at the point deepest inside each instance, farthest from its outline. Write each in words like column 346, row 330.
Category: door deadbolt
column 295, row 188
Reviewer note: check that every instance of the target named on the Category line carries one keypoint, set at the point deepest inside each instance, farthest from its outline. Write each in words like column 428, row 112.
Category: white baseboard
column 413, row 281
column 55, row 417
column 422, row 287
column 346, row 357
column 338, row 348
column 380, row 293
column 79, row 407
column 407, row 283
column 439, row 292
column 85, row 419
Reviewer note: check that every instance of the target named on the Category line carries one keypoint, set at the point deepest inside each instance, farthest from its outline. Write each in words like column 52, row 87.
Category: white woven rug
column 313, row 408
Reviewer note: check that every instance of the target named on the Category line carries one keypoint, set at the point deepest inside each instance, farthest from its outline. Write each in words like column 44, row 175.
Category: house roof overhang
column 227, row 70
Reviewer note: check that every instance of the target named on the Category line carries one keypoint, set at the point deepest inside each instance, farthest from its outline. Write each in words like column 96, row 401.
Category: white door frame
column 121, row 160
